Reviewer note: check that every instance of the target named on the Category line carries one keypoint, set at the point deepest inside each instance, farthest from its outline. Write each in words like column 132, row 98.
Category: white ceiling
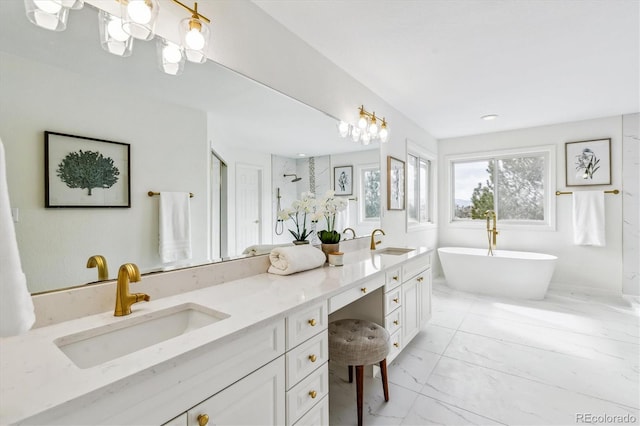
column 446, row 63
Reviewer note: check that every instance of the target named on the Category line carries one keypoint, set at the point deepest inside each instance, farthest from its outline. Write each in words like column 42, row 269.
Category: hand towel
column 289, row 260
column 588, row 218
column 175, row 226
column 16, row 307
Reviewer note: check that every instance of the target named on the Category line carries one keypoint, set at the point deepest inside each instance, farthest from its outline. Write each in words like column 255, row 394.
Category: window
column 370, row 193
column 418, row 190
column 514, row 185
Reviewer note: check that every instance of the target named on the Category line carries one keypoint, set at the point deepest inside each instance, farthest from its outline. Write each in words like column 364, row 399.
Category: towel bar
column 151, row 194
column 613, row 191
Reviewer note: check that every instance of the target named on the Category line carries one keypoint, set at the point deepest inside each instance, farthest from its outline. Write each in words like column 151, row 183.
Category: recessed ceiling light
column 302, row 155
column 489, row 117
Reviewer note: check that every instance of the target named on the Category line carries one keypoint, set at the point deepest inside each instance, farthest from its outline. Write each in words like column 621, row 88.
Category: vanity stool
column 354, row 342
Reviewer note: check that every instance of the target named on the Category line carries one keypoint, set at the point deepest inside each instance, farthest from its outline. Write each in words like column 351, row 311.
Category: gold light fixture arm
column 371, row 115
column 193, row 11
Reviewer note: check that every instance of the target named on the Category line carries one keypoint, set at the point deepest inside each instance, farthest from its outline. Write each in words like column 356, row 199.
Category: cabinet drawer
column 343, row 299
column 392, row 300
column 413, row 267
column 306, row 357
column 393, row 278
column 306, row 394
column 306, row 323
column 317, row 416
column 396, row 345
column 392, row 321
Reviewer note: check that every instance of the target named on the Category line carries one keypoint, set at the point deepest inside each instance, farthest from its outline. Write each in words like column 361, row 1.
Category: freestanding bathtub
column 515, row 274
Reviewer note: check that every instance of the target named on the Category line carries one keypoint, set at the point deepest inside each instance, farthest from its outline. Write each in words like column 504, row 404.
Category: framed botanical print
column 395, row 184
column 343, row 180
column 588, row 162
column 85, row 172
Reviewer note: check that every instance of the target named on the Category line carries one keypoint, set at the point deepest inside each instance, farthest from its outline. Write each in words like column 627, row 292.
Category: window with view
column 418, row 190
column 513, row 186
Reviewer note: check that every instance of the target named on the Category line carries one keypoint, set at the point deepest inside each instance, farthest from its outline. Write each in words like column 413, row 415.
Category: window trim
column 548, row 151
column 423, row 154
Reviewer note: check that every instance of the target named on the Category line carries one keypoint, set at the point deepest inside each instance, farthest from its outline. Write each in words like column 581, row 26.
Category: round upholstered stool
column 355, row 342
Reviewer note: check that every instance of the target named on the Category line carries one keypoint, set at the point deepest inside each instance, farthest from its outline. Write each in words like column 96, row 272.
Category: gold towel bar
column 151, row 194
column 613, row 191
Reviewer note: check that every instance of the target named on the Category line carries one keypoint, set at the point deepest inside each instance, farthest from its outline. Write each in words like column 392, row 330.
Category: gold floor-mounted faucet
column 352, row 231
column 128, row 272
column 492, row 232
column 99, row 261
column 374, row 243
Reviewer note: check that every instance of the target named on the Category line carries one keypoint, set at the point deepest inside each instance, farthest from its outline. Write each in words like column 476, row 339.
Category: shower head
column 295, row 179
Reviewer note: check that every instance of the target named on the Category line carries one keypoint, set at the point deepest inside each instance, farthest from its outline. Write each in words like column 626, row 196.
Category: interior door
column 248, row 206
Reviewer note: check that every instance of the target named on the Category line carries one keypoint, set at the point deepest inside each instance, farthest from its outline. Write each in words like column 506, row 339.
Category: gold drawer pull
column 396, row 344
column 312, row 358
column 203, row 419
column 313, row 394
column 396, row 322
column 312, row 322
column 420, row 279
column 363, row 289
column 395, row 278
column 397, row 300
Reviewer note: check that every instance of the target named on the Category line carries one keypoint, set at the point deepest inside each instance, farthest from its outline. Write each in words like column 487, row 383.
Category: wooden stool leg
column 385, row 383
column 359, row 390
column 351, row 374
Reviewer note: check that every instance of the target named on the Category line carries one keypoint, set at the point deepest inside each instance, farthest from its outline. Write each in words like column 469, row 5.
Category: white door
column 248, row 206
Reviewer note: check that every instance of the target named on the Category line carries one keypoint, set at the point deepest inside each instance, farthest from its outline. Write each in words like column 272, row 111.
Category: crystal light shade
column 47, row 14
column 194, row 35
column 171, row 57
column 368, row 128
column 139, row 18
column 113, row 39
column 71, row 4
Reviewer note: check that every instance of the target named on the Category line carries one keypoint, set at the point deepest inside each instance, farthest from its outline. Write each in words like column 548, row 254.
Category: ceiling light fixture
column 489, row 117
column 367, row 128
column 137, row 20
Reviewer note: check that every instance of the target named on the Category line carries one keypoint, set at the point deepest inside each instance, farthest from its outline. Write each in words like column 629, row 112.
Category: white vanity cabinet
column 416, row 295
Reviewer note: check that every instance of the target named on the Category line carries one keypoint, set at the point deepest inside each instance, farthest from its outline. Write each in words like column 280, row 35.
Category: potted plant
column 327, row 208
column 298, row 214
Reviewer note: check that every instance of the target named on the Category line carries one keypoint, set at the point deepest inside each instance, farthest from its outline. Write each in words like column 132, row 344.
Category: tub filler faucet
column 492, row 232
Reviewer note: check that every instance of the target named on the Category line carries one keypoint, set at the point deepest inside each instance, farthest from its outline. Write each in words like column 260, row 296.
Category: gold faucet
column 492, row 232
column 99, row 261
column 124, row 300
column 352, row 231
column 374, row 243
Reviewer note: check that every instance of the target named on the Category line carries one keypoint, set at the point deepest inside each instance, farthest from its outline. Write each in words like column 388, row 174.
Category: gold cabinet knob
column 396, row 322
column 312, row 358
column 313, row 394
column 396, row 344
column 397, row 300
column 312, row 322
column 363, row 289
column 203, row 419
column 420, row 279
column 395, row 278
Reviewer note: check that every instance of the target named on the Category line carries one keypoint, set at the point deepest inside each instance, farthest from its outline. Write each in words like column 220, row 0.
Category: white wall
column 631, row 203
column 598, row 268
column 55, row 243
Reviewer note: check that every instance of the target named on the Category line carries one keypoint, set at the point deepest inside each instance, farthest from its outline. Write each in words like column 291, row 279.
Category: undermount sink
column 98, row 345
column 396, row 251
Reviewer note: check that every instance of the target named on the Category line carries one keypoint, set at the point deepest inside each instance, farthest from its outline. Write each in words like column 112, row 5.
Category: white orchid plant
column 328, row 207
column 298, row 212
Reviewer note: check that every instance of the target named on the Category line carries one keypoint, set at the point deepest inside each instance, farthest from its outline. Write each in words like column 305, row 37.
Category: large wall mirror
column 211, row 131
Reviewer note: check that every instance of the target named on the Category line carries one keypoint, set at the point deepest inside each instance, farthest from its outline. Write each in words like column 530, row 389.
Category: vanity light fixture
column 369, row 128
column 137, row 20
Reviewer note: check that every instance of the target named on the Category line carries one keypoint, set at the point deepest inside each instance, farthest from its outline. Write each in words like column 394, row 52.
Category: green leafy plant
column 87, row 170
column 327, row 208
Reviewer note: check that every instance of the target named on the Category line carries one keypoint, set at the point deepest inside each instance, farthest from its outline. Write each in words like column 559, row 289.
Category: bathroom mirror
column 209, row 131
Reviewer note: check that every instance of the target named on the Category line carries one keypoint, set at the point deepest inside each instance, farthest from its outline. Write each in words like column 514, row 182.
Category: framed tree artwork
column 395, row 184
column 588, row 162
column 343, row 180
column 85, row 172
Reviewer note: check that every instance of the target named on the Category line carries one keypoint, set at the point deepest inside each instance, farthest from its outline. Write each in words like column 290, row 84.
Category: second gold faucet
column 128, row 272
column 374, row 243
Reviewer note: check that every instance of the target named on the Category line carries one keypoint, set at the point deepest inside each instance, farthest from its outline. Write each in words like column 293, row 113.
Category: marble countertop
column 36, row 375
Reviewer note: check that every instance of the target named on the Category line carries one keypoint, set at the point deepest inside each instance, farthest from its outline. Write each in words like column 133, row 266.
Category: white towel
column 289, row 260
column 263, row 248
column 16, row 307
column 588, row 218
column 175, row 226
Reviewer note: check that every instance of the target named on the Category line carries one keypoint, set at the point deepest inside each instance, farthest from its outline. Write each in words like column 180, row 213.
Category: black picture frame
column 84, row 172
column 588, row 162
column 343, row 180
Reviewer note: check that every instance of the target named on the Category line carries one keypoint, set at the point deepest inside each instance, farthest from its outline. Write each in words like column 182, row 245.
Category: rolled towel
column 289, row 260
column 263, row 248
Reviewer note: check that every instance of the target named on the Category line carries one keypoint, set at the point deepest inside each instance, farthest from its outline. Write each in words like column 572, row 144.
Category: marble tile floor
column 569, row 359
